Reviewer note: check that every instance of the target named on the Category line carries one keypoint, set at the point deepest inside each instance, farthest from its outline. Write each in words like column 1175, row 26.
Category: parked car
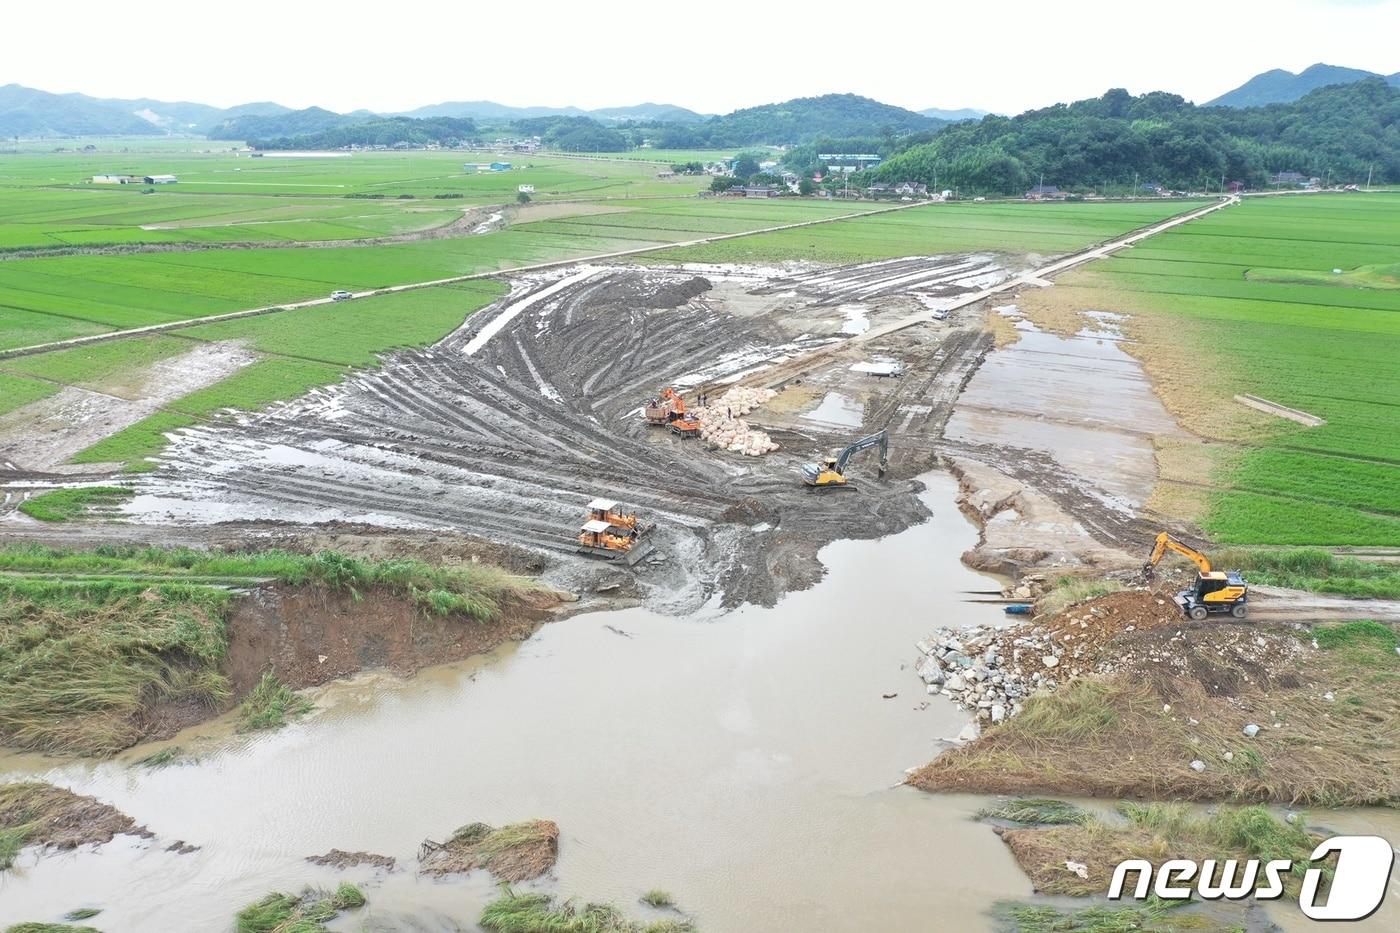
column 340, row 295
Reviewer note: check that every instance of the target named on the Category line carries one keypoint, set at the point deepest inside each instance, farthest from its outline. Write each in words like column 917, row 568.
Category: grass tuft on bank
column 516, row 852
column 270, row 705
column 1034, row 811
column 1155, row 832
column 536, row 913
column 308, row 912
column 79, row 665
column 1155, row 916
column 65, row 505
column 1070, row 591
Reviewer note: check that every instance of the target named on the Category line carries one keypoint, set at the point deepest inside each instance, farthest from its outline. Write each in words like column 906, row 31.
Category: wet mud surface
column 507, row 427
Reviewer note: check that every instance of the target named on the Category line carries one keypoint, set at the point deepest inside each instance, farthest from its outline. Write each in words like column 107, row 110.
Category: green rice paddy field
column 46, row 299
column 1324, row 342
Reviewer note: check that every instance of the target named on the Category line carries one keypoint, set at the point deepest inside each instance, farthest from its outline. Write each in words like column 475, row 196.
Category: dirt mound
column 339, row 858
column 1087, row 629
column 44, row 815
column 1225, row 659
column 517, row 852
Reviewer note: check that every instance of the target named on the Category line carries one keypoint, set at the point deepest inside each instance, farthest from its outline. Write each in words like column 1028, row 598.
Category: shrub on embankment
column 93, row 642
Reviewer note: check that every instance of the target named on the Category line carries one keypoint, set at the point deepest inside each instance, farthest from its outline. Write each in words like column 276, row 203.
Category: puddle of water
column 837, row 409
column 857, row 319
column 1081, row 399
column 744, row 762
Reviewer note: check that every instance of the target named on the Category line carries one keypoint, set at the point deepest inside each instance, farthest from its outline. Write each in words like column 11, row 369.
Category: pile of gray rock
column 989, row 670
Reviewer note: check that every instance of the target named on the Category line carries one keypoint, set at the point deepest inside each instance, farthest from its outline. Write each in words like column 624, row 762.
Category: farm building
column 499, row 166
column 526, row 189
column 915, row 188
column 849, row 162
column 1046, row 193
column 113, row 179
column 666, row 174
column 160, row 179
column 760, row 191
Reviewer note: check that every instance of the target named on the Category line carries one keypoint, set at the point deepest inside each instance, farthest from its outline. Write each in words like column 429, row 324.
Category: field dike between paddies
column 107, row 648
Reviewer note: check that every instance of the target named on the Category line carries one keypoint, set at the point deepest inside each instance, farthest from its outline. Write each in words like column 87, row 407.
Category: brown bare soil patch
column 339, row 858
column 39, row 814
column 517, row 852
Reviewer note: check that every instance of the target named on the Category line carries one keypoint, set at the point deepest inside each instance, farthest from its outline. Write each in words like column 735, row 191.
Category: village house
column 912, row 188
column 1046, row 193
column 760, row 191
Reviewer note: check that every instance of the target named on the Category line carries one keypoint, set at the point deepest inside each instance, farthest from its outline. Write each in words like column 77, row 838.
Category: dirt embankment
column 1215, row 710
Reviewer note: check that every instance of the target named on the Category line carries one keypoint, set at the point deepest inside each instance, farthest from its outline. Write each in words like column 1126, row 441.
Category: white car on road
column 340, row 295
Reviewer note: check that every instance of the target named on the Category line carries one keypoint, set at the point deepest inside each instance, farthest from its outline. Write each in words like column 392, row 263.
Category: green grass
column 16, row 392
column 308, row 912
column 63, row 505
column 270, row 705
column 79, row 663
column 1156, row 916
column 1310, row 339
column 1379, row 275
column 82, row 913
column 1314, row 570
column 1034, row 811
column 661, row 900
column 541, row 913
column 34, row 927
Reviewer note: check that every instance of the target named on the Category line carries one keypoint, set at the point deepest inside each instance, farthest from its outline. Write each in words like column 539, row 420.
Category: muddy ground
column 505, row 429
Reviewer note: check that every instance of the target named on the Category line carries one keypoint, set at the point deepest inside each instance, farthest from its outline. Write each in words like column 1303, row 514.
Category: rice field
column 1020, row 227
column 1325, row 342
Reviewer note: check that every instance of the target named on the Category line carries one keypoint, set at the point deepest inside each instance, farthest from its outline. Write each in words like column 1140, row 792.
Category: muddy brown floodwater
column 746, row 762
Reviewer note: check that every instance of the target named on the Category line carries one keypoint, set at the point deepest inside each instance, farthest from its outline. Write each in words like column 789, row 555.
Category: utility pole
column 1371, row 168
column 1135, row 188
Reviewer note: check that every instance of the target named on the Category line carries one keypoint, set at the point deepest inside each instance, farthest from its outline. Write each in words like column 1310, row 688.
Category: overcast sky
column 1000, row 56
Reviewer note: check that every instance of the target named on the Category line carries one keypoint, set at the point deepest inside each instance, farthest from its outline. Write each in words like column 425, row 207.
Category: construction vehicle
column 831, row 472
column 1214, row 592
column 668, row 408
column 611, row 534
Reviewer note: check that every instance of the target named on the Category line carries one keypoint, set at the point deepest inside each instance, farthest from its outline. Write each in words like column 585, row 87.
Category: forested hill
column 797, row 121
column 281, row 125
column 389, row 131
column 1161, row 138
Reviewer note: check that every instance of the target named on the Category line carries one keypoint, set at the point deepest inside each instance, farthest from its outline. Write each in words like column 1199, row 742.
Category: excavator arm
column 1165, row 542
column 881, row 440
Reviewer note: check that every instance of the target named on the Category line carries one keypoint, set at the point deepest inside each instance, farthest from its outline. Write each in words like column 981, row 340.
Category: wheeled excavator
column 1214, row 592
column 831, row 472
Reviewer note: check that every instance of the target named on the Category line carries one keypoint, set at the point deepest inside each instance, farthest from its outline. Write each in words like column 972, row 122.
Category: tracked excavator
column 831, row 472
column 1214, row 592
column 668, row 409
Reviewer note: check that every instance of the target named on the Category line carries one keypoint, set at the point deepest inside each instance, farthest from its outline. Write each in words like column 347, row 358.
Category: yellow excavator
column 831, row 472
column 1215, row 591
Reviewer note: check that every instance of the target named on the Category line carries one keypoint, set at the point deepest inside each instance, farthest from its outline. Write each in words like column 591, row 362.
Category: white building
column 526, row 189
column 112, row 179
column 160, row 179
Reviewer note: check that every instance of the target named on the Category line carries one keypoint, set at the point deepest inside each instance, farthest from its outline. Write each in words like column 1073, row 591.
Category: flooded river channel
column 746, row 762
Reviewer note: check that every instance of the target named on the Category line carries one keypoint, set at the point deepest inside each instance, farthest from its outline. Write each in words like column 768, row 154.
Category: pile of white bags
column 722, row 424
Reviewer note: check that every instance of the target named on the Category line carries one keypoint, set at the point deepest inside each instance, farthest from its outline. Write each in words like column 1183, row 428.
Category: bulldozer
column 611, row 534
column 1215, row 592
column 831, row 472
column 668, row 408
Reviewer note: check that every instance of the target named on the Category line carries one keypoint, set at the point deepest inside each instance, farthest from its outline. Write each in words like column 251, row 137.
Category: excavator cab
column 668, row 409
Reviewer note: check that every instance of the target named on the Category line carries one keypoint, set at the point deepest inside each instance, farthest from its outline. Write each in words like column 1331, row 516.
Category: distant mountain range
column 490, row 110
column 30, row 112
column 953, row 116
column 1284, row 87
